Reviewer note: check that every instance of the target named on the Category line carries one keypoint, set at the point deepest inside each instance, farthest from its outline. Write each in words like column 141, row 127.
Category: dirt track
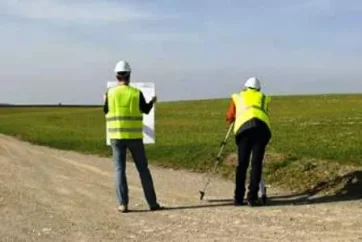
column 51, row 195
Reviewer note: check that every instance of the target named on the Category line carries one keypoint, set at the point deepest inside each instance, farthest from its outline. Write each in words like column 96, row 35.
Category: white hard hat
column 122, row 66
column 253, row 82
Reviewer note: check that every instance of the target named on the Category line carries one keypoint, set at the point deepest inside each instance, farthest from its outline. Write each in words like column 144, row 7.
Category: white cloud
column 165, row 36
column 317, row 7
column 73, row 11
column 320, row 8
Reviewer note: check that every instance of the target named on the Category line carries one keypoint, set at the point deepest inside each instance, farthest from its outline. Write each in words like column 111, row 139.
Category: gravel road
column 52, row 195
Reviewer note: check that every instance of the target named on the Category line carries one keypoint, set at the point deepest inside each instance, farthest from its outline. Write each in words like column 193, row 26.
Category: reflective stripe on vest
column 124, row 118
column 129, row 130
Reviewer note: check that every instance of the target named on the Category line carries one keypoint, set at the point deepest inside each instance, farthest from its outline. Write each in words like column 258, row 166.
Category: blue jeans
column 136, row 147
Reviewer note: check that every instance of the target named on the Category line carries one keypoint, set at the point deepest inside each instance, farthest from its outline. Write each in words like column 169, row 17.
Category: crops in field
column 188, row 134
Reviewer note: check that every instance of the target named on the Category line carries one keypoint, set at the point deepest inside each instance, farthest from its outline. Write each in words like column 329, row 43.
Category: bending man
column 249, row 110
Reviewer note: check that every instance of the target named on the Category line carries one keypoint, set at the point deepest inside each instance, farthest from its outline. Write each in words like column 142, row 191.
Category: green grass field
column 188, row 134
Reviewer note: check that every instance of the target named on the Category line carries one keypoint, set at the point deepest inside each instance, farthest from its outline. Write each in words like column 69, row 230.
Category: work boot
column 239, row 203
column 157, row 207
column 123, row 208
column 254, row 203
column 252, row 200
column 264, row 199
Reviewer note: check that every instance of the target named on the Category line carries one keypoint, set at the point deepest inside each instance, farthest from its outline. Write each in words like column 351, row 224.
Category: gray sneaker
column 123, row 208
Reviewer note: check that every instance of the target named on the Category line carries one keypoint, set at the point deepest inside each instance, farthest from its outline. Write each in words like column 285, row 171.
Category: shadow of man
column 350, row 191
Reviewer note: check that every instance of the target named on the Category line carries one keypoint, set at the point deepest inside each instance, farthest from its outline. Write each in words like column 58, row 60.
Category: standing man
column 123, row 107
column 249, row 112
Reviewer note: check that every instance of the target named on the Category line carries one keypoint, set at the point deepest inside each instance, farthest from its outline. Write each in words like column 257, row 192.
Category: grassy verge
column 307, row 130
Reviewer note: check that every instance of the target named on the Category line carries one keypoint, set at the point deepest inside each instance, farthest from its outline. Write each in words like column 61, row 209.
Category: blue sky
column 65, row 50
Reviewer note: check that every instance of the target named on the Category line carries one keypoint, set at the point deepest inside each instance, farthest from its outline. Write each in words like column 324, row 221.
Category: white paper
column 148, row 90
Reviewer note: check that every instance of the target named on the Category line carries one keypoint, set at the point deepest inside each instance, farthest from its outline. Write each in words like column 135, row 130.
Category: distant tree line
column 49, row 106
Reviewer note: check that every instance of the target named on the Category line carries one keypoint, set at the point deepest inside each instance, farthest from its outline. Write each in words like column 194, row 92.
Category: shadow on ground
column 225, row 203
column 351, row 190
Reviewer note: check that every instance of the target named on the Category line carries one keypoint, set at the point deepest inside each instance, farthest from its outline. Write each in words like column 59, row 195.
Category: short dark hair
column 252, row 88
column 123, row 76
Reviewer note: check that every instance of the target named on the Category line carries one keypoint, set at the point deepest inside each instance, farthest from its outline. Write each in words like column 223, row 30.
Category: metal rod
column 218, row 159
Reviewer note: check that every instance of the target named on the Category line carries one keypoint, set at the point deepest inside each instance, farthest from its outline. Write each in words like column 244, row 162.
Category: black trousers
column 253, row 142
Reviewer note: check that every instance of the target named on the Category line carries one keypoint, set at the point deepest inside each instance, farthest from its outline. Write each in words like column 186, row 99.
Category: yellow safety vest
column 124, row 118
column 250, row 104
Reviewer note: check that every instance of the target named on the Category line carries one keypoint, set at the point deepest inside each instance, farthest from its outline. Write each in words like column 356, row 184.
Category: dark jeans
column 136, row 147
column 253, row 142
